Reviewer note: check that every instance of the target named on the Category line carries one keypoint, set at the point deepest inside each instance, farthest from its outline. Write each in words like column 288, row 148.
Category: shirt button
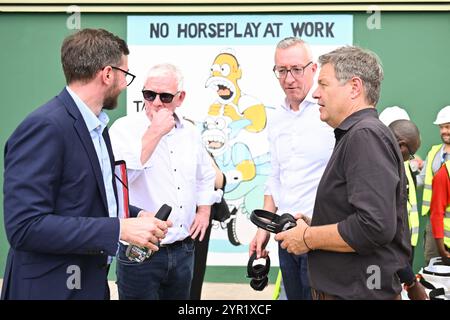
column 181, row 207
column 175, row 170
column 178, row 188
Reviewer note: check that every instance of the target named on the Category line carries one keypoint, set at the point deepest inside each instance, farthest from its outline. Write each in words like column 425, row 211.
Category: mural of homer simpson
column 232, row 114
column 225, row 73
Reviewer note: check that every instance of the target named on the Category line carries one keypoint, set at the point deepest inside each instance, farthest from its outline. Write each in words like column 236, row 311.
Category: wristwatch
column 410, row 285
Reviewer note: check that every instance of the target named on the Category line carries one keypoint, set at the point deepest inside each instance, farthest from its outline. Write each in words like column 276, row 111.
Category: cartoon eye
column 209, row 123
column 225, row 70
column 220, row 123
column 215, row 68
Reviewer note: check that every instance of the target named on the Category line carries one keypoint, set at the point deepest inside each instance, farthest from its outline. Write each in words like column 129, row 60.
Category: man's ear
column 106, row 74
column 314, row 68
column 401, row 142
column 357, row 87
column 181, row 97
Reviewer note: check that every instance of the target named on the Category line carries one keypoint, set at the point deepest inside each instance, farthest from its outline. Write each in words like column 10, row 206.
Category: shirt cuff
column 207, row 198
column 355, row 237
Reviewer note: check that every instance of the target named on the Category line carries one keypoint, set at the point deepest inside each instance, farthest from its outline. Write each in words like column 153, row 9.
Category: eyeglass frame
column 172, row 95
column 411, row 155
column 275, row 70
column 126, row 72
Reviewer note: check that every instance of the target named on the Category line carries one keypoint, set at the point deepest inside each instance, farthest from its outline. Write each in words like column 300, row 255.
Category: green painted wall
column 414, row 49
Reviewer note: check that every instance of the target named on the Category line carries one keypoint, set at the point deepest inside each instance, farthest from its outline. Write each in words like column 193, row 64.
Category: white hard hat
column 443, row 116
column 437, row 273
column 391, row 114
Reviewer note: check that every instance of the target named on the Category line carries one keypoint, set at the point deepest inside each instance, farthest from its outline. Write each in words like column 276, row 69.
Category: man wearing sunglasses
column 60, row 200
column 167, row 163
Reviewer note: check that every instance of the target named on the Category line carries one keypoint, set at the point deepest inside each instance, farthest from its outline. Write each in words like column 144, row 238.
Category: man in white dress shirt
column 167, row 164
column 300, row 147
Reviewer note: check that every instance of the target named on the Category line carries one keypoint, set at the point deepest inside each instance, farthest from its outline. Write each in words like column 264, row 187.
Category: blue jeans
column 166, row 275
column 294, row 270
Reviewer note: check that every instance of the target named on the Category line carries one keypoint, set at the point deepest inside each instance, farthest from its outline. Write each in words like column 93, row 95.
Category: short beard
column 446, row 139
column 110, row 100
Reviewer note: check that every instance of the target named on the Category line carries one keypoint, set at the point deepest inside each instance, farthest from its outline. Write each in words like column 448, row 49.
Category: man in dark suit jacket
column 60, row 204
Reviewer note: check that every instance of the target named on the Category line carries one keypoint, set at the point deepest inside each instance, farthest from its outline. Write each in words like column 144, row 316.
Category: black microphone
column 139, row 254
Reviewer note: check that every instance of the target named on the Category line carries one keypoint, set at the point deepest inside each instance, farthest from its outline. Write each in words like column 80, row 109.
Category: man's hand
column 417, row 292
column 303, row 217
column 201, row 222
column 162, row 122
column 441, row 248
column 145, row 231
column 259, row 244
column 144, row 213
column 292, row 239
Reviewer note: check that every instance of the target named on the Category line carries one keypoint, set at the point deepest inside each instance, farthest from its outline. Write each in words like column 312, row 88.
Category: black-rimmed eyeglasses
column 296, row 71
column 129, row 77
column 165, row 97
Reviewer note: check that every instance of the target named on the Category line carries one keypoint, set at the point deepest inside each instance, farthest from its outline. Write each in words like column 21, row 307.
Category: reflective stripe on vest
column 447, row 214
column 427, row 192
column 413, row 214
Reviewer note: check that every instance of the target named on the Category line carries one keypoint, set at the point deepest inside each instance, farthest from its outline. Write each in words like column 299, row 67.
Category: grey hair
column 165, row 69
column 293, row 41
column 351, row 61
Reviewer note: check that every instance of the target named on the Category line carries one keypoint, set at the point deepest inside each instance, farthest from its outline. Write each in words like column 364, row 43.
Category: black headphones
column 259, row 273
column 271, row 221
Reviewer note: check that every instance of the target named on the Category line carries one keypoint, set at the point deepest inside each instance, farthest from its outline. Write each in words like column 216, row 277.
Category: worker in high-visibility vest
column 436, row 157
column 440, row 210
column 408, row 138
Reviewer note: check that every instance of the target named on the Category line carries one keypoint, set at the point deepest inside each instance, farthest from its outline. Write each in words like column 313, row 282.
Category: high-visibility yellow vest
column 277, row 289
column 427, row 192
column 447, row 215
column 413, row 214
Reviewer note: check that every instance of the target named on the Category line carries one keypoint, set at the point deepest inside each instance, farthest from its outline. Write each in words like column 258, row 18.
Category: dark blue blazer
column 55, row 208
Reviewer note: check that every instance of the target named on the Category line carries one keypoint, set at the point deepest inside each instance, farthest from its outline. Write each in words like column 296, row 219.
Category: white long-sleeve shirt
column 300, row 147
column 178, row 173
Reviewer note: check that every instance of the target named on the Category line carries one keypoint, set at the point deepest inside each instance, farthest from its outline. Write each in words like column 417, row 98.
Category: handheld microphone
column 139, row 254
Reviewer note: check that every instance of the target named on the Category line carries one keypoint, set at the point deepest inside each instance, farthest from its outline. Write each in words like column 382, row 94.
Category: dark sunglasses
column 165, row 97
